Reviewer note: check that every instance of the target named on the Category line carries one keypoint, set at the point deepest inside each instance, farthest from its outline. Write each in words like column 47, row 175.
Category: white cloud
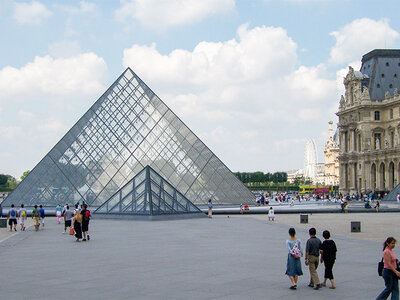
column 49, row 77
column 10, row 132
column 244, row 93
column 26, row 116
column 52, row 125
column 31, row 13
column 162, row 14
column 360, row 37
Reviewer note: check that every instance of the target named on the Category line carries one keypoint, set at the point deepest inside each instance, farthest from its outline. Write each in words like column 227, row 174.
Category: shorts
column 41, row 220
column 21, row 220
column 68, row 223
column 85, row 226
column 36, row 221
column 58, row 213
column 12, row 221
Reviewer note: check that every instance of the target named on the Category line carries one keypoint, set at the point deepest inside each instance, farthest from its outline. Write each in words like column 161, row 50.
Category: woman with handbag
column 390, row 274
column 293, row 265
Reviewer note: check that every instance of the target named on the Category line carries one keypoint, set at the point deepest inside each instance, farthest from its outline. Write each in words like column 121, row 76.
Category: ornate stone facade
column 331, row 153
column 369, row 128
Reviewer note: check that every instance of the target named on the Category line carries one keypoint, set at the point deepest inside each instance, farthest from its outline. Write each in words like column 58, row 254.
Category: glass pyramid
column 148, row 194
column 128, row 128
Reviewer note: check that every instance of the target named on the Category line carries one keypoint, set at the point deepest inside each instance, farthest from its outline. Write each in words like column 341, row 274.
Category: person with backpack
column 36, row 217
column 12, row 218
column 42, row 215
column 86, row 214
column 22, row 216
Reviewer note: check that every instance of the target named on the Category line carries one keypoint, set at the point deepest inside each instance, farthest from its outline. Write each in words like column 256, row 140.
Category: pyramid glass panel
column 148, row 194
column 126, row 129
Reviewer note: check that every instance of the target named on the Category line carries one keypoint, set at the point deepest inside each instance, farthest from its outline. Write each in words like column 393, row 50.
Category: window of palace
column 377, row 116
column 392, row 139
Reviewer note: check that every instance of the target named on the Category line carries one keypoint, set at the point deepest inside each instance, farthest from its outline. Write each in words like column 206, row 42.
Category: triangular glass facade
column 392, row 196
column 147, row 194
column 128, row 128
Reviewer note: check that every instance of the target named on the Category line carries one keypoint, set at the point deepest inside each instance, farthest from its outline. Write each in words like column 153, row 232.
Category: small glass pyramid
column 128, row 128
column 148, row 194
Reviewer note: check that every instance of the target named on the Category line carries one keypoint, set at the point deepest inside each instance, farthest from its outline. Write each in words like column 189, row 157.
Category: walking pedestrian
column 12, row 218
column 58, row 213
column 241, row 208
column 210, row 206
column 328, row 256
column 390, row 274
column 293, row 263
column 42, row 215
column 86, row 214
column 22, row 216
column 312, row 258
column 68, row 214
column 36, row 217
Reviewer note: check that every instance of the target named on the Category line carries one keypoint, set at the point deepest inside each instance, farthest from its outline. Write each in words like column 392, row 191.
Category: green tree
column 3, row 179
column 25, row 174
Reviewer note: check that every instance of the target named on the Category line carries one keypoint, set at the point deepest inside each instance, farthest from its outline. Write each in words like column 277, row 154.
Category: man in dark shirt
column 312, row 258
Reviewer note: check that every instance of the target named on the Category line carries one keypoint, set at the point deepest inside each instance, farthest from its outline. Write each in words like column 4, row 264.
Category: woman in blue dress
column 293, row 265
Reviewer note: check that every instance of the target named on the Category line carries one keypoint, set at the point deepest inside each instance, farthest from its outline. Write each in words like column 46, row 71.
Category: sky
column 254, row 79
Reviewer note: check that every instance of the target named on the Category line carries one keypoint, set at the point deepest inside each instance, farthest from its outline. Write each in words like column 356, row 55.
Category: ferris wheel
column 310, row 160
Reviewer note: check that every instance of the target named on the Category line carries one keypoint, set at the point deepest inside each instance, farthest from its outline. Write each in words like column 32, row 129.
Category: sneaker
column 88, row 237
column 311, row 285
column 77, row 240
column 317, row 287
column 15, row 229
column 84, row 240
column 64, row 232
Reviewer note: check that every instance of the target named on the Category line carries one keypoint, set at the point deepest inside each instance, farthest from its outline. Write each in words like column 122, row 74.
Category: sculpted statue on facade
column 377, row 145
column 341, row 103
column 365, row 93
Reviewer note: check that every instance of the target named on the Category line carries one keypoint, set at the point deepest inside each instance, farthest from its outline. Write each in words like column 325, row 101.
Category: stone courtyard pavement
column 235, row 257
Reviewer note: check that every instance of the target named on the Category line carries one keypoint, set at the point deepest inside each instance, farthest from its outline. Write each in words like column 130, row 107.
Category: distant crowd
column 76, row 219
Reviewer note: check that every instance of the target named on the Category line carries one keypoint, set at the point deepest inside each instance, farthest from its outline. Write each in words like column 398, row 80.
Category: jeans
column 391, row 285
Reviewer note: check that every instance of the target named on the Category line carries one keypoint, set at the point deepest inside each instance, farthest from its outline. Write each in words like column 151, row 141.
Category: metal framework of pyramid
column 126, row 129
column 148, row 195
column 392, row 196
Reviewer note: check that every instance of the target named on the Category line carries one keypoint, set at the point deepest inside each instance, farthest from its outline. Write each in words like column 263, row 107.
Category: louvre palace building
column 369, row 125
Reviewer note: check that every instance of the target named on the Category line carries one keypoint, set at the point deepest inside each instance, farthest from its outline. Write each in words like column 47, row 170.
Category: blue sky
column 254, row 79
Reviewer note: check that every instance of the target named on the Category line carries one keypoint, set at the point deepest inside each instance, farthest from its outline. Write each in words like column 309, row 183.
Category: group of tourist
column 316, row 252
column 14, row 216
column 77, row 219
